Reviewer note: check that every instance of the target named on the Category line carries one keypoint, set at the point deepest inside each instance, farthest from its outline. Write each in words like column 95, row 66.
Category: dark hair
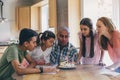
column 26, row 35
column 45, row 36
column 108, row 24
column 103, row 42
column 89, row 24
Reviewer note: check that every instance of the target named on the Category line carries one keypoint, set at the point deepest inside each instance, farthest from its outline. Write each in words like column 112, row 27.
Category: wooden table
column 82, row 72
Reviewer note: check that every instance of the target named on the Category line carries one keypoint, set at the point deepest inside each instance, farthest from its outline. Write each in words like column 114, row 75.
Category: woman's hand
column 101, row 63
column 113, row 66
column 78, row 62
column 106, row 34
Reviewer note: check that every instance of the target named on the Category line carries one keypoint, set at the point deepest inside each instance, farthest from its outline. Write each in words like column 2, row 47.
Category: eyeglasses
column 63, row 36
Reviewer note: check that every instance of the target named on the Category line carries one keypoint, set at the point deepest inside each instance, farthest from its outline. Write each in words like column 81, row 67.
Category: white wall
column 9, row 13
column 116, row 13
column 7, row 29
column 90, row 10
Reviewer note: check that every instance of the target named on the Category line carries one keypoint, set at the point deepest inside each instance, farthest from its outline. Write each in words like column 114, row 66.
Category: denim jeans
column 117, row 70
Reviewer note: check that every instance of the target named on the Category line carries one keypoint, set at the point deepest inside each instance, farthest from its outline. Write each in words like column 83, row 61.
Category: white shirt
column 38, row 54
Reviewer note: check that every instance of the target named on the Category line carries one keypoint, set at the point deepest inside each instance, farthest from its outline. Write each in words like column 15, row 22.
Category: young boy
column 12, row 57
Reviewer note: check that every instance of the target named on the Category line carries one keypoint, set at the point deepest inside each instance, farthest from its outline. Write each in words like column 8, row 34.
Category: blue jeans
column 117, row 70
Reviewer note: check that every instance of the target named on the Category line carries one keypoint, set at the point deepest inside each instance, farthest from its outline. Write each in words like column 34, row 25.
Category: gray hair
column 63, row 29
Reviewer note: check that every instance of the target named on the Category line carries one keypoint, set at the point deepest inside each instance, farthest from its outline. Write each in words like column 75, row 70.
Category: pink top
column 114, row 51
column 97, row 50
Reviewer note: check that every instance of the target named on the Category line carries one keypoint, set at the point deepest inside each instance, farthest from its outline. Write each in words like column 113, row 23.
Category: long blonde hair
column 109, row 24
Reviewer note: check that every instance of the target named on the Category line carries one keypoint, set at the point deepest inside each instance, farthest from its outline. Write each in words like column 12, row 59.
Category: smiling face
column 85, row 30
column 104, row 25
column 101, row 27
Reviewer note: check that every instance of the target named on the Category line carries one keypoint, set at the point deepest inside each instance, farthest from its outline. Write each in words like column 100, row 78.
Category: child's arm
column 80, row 52
column 101, row 58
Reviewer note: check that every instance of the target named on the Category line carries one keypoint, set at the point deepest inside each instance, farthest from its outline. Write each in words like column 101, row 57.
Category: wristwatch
column 41, row 69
